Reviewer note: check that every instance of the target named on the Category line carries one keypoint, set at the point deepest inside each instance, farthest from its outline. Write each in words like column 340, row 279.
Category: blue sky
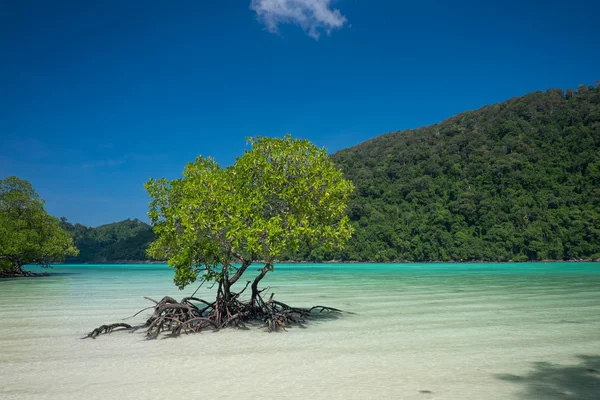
column 97, row 97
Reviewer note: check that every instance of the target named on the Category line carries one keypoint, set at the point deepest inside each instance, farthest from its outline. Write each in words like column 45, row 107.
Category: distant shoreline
column 29, row 274
column 351, row 262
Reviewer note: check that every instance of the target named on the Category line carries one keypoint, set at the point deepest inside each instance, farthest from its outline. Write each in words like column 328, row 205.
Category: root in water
column 192, row 315
column 107, row 329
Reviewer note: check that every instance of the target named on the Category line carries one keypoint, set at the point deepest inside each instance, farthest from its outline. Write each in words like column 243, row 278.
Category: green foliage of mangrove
column 28, row 235
column 279, row 195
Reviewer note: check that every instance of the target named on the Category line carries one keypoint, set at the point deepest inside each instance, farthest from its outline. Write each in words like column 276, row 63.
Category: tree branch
column 240, row 272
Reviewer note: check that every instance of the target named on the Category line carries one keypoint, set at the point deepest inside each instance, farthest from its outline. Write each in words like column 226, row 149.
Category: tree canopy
column 278, row 195
column 28, row 235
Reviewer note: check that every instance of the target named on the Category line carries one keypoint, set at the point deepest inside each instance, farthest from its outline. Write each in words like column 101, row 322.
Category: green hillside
column 120, row 241
column 517, row 180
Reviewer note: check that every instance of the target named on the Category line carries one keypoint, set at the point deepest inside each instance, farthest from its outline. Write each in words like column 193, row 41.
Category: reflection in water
column 552, row 381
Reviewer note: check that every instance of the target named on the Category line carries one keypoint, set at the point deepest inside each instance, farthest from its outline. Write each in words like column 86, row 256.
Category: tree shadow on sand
column 554, row 381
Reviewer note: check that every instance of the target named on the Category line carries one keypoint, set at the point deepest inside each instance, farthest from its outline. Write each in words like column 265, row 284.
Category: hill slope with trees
column 117, row 242
column 519, row 180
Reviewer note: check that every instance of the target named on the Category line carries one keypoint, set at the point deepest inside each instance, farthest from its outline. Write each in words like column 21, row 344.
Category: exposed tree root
column 107, row 329
column 23, row 274
column 192, row 314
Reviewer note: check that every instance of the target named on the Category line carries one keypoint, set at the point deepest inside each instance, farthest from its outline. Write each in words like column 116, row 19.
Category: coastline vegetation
column 28, row 235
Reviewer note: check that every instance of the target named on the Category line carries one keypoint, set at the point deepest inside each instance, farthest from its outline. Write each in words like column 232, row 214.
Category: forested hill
column 117, row 242
column 517, row 180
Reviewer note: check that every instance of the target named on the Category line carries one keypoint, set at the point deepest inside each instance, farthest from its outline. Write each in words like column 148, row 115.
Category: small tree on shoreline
column 28, row 235
column 214, row 223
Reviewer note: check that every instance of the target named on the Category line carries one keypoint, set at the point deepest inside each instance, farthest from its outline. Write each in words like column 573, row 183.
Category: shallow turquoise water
column 456, row 330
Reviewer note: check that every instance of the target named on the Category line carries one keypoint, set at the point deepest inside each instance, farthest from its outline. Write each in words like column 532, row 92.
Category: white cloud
column 313, row 16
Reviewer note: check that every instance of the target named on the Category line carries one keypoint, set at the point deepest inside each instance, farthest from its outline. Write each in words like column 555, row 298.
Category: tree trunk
column 17, row 270
column 255, row 292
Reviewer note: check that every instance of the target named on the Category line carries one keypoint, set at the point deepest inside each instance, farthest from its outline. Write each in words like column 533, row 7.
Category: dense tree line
column 120, row 241
column 519, row 180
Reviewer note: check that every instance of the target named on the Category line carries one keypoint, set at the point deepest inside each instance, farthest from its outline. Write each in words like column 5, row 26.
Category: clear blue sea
column 418, row 331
